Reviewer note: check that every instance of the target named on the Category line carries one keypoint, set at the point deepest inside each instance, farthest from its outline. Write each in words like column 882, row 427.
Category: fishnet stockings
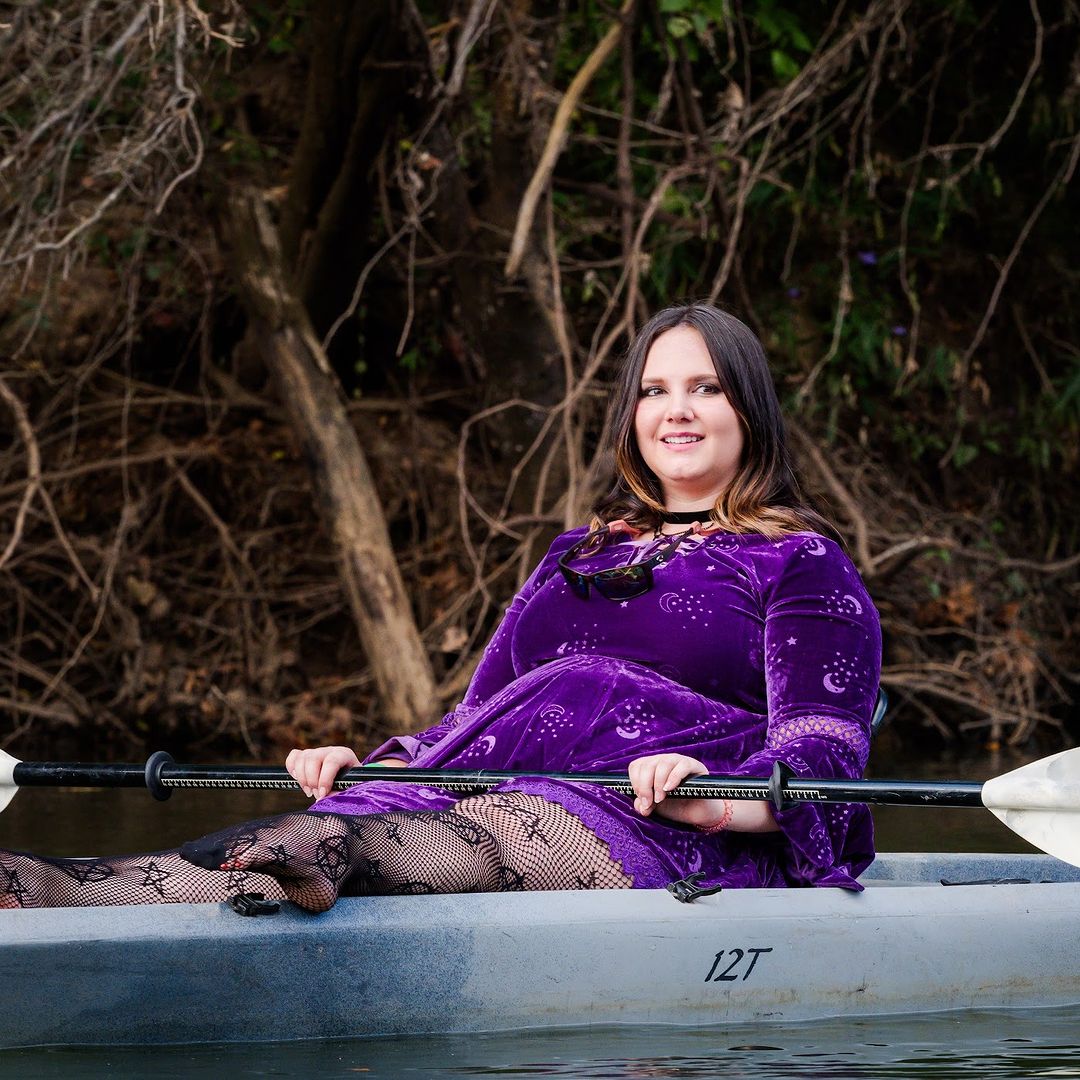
column 160, row 877
column 496, row 842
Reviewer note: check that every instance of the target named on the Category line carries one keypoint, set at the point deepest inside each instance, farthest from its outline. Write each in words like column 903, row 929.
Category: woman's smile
column 680, row 439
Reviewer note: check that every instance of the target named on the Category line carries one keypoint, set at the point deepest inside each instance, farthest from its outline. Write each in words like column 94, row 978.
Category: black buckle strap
column 253, row 903
column 686, row 890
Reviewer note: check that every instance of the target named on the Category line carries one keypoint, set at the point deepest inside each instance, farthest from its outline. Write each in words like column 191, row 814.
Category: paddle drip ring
column 154, row 764
column 780, row 774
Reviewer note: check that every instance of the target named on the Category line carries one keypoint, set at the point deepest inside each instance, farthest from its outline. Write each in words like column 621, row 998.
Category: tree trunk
column 360, row 66
column 343, row 483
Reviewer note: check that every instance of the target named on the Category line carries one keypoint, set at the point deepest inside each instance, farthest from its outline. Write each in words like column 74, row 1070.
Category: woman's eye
column 709, row 388
column 651, row 391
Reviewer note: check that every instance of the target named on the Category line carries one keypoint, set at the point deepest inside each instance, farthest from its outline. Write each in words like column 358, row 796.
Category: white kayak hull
column 189, row 973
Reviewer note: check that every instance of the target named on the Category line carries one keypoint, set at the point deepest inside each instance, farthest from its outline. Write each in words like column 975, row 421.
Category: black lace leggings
column 497, row 842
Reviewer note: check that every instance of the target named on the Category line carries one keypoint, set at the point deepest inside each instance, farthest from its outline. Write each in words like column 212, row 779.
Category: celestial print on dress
column 786, row 669
column 552, row 720
column 633, row 718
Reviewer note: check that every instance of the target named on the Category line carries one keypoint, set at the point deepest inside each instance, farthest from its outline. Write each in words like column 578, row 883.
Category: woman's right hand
column 315, row 770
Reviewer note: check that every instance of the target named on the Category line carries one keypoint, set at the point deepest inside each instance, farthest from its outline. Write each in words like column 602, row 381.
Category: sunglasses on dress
column 620, row 582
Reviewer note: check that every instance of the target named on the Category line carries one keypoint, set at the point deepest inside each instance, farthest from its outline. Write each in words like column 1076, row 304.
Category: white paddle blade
column 1041, row 803
column 7, row 779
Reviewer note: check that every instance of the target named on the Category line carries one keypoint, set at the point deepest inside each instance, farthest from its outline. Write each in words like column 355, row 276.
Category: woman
column 703, row 623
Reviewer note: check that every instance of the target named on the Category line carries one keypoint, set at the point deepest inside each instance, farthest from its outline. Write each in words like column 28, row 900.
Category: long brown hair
column 764, row 496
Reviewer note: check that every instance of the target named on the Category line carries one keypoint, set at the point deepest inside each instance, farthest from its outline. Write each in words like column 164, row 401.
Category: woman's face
column 686, row 429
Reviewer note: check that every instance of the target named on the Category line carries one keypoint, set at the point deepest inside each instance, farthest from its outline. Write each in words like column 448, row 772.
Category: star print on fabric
column 90, row 870
column 465, row 829
column 357, row 826
column 393, row 832
column 13, row 886
column 511, row 880
column 332, row 857
column 529, row 821
column 155, row 876
column 240, row 845
column 533, row 831
column 236, row 881
column 792, row 641
column 279, row 856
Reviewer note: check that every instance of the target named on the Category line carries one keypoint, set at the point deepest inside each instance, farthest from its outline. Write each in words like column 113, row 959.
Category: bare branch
column 556, row 138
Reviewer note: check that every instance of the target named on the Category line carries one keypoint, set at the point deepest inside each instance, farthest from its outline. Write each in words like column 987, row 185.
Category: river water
column 971, row 1045
column 996, row 1043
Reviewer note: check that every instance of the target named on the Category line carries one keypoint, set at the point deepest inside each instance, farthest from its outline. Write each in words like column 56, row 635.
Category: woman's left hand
column 654, row 776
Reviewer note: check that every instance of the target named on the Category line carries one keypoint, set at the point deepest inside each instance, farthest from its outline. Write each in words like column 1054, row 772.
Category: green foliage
column 279, row 25
column 781, row 26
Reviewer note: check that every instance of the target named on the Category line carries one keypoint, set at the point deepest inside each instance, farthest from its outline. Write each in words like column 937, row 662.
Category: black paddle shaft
column 162, row 776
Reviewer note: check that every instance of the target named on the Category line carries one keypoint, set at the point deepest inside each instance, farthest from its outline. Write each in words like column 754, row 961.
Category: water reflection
column 991, row 1044
column 917, row 828
column 78, row 821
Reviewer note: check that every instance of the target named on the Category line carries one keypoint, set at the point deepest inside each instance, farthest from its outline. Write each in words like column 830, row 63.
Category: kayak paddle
column 1039, row 801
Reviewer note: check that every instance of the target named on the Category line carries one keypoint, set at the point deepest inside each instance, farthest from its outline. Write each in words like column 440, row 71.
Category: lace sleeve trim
column 848, row 732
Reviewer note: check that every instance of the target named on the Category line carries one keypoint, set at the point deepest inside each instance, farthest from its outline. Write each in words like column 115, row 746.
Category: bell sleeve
column 822, row 670
column 496, row 667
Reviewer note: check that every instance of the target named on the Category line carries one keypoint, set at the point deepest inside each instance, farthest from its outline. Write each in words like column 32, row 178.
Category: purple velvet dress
column 746, row 651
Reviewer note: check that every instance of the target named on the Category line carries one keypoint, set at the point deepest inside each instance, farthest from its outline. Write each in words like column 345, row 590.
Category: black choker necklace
column 685, row 517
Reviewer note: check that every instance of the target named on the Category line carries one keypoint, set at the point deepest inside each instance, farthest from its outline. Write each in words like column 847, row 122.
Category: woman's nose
column 680, row 408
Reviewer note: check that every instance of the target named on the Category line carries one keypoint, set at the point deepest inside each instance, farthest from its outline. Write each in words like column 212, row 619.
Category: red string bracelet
column 722, row 822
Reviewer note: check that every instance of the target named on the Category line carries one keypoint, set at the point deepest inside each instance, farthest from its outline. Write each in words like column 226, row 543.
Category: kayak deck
column 393, row 965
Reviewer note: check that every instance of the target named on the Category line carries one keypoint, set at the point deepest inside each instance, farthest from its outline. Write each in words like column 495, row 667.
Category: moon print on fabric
column 587, row 643
column 551, row 720
column 814, row 546
column 690, row 606
column 726, row 542
column 844, row 603
column 842, row 673
column 820, row 836
column 634, row 721
column 480, row 749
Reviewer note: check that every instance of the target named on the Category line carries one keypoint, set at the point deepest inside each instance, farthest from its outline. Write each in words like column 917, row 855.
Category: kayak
column 930, row 932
